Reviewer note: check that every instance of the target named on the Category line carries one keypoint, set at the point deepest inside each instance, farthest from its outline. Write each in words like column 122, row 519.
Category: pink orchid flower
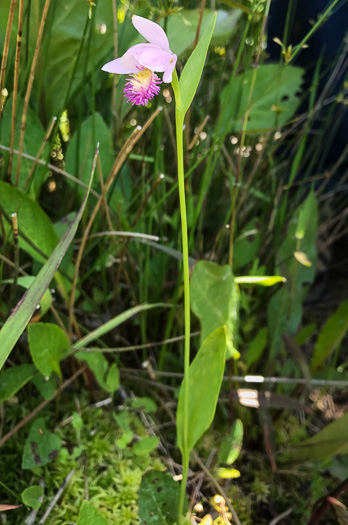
column 142, row 60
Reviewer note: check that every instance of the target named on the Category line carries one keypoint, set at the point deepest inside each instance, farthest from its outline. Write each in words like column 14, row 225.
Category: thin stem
column 6, row 47
column 15, row 86
column 179, row 120
column 29, row 88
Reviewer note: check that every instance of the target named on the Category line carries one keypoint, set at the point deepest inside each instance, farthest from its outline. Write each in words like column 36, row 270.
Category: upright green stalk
column 179, row 122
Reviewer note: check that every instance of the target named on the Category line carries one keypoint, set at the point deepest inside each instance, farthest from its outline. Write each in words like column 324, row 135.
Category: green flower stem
column 179, row 122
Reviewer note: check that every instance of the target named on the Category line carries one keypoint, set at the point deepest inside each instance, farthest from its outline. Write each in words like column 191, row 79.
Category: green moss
column 112, row 475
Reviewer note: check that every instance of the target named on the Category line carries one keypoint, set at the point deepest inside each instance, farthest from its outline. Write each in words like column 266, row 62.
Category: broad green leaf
column 45, row 385
column 60, row 54
column 158, row 499
column 215, row 300
column 263, row 280
column 41, row 446
column 48, row 346
column 99, row 366
column 32, row 221
column 247, row 245
column 31, row 496
column 13, row 379
column 145, row 446
column 182, row 28
column 113, row 378
column 33, row 138
column 206, row 374
column 331, row 335
column 113, row 323
column 231, row 446
column 192, row 71
column 16, row 323
column 330, row 441
column 25, row 281
column 273, row 103
column 256, row 347
column 89, row 515
column 82, row 147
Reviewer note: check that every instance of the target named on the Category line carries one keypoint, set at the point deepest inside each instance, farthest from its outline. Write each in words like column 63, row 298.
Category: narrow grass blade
column 113, row 323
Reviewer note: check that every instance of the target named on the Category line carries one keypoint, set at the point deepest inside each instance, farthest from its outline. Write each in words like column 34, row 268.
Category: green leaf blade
column 41, row 446
column 13, row 379
column 89, row 515
column 48, row 345
column 205, row 378
column 215, row 300
column 158, row 499
column 192, row 71
column 331, row 335
column 32, row 496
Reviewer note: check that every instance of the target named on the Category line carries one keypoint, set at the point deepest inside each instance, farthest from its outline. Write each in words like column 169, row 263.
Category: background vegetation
column 92, row 357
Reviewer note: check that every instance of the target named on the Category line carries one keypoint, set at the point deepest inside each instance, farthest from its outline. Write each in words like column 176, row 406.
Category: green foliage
column 206, row 373
column 145, row 446
column 48, row 346
column 31, row 496
column 215, row 300
column 33, row 138
column 66, row 59
column 285, row 307
column 246, row 245
column 88, row 514
column 41, row 446
column 182, row 28
column 82, row 147
column 32, row 221
column 192, row 72
column 257, row 346
column 107, row 377
column 273, row 101
column 13, row 379
column 332, row 440
column 146, row 404
column 45, row 385
column 260, row 177
column 26, row 281
column 331, row 335
column 231, row 446
column 158, row 499
column 15, row 325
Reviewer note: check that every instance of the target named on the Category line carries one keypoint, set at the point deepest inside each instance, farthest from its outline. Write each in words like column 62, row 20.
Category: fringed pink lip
column 141, row 87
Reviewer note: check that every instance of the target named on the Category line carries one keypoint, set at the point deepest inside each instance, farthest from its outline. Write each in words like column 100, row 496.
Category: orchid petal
column 124, row 65
column 151, row 56
column 151, row 31
column 168, row 74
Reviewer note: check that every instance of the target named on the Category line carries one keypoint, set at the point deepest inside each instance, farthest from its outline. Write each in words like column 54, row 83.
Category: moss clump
column 111, row 475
